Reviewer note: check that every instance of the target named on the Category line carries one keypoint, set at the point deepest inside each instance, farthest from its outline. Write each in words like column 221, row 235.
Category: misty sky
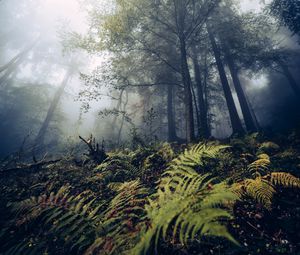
column 25, row 20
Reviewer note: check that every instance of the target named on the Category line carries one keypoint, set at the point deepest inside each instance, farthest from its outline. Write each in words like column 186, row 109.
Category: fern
column 263, row 187
column 186, row 203
column 259, row 166
column 194, row 157
column 117, row 168
column 285, row 180
column 268, row 147
column 72, row 218
column 154, row 164
column 260, row 190
column 158, row 159
column 28, row 246
column 121, row 220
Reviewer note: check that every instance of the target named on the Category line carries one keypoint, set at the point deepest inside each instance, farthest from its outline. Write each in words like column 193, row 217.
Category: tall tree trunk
column 12, row 65
column 123, row 117
column 188, row 99
column 206, row 94
column 295, row 87
column 118, row 108
column 9, row 72
column 236, row 123
column 203, row 127
column 257, row 124
column 42, row 132
column 248, row 118
column 195, row 104
column 172, row 136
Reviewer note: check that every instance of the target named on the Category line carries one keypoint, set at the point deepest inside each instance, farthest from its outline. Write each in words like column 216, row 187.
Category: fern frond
column 268, row 147
column 260, row 190
column 117, row 168
column 166, row 151
column 194, row 156
column 285, row 180
column 260, row 166
column 115, row 186
column 121, row 221
column 190, row 208
column 186, row 203
column 28, row 246
column 71, row 218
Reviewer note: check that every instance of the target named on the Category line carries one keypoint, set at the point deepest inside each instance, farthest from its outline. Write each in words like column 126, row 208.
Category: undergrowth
column 203, row 198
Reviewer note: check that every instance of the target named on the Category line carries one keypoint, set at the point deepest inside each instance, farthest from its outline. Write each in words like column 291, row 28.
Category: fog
column 44, row 67
column 41, row 31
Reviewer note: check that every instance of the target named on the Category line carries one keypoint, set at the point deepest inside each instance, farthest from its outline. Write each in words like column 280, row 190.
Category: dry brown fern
column 285, row 179
column 260, row 166
column 262, row 186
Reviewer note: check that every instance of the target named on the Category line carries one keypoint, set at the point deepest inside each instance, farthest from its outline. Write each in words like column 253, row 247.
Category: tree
column 11, row 67
column 229, row 41
column 136, row 23
column 202, row 103
column 247, row 45
column 285, row 69
column 58, row 94
column 248, row 118
column 288, row 12
column 20, row 116
column 236, row 123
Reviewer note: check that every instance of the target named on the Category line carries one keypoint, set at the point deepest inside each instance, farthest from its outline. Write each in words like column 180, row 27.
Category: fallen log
column 35, row 165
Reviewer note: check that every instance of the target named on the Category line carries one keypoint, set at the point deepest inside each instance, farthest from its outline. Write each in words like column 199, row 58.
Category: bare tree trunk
column 236, row 123
column 180, row 16
column 118, row 107
column 123, row 118
column 42, row 132
column 248, row 118
column 203, row 127
column 172, row 136
column 294, row 86
column 10, row 72
column 11, row 66
column 188, row 99
column 195, row 104
column 206, row 94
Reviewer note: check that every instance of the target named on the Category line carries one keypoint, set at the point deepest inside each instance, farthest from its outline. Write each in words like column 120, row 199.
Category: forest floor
column 83, row 207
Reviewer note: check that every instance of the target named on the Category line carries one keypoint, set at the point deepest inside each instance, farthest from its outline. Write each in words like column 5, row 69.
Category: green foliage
column 139, row 155
column 78, row 221
column 121, row 221
column 117, row 168
column 70, row 218
column 97, row 213
column 288, row 12
column 247, row 144
column 260, row 166
column 187, row 204
column 287, row 155
column 156, row 163
column 268, row 147
column 121, row 22
column 194, row 157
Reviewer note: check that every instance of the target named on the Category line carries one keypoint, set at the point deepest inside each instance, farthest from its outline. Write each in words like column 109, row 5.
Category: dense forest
column 143, row 127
